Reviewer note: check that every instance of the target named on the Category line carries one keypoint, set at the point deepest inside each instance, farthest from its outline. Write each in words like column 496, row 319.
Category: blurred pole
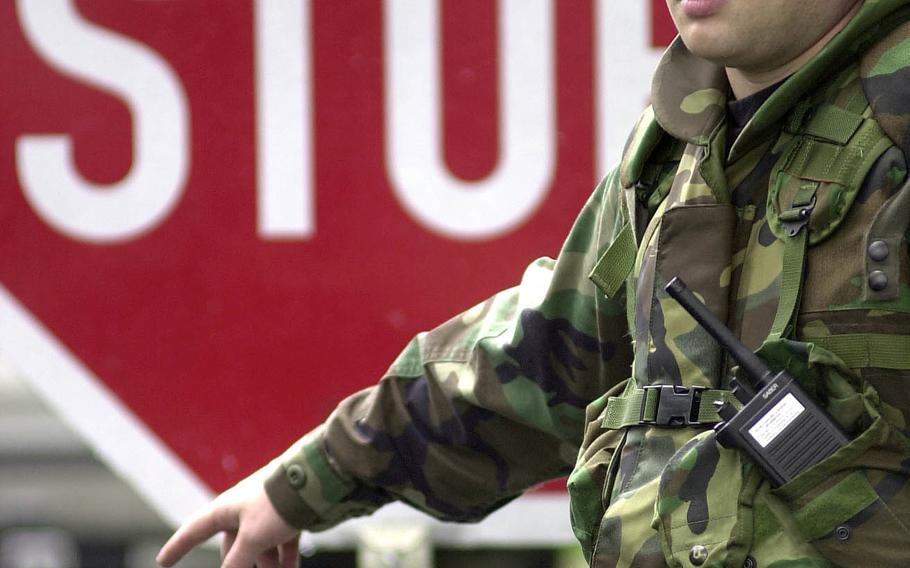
column 38, row 548
column 394, row 545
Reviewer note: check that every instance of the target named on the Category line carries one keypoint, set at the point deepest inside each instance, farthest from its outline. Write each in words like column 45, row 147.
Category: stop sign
column 222, row 217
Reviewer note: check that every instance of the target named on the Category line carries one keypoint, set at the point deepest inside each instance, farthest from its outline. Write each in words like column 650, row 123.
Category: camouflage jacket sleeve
column 478, row 410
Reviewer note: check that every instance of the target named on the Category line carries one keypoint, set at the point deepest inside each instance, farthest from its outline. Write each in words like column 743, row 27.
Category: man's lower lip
column 700, row 8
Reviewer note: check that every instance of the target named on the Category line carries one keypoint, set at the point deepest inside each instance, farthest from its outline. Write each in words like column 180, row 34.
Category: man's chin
column 713, row 50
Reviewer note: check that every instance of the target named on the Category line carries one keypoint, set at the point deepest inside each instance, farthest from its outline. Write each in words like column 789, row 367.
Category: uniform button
column 878, row 250
column 842, row 533
column 750, row 562
column 296, row 476
column 878, row 280
column 698, row 554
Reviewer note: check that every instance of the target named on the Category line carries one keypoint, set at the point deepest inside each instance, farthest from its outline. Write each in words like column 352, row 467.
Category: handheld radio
column 782, row 428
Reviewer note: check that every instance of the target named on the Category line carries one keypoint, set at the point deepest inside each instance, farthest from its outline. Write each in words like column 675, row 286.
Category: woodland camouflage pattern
column 516, row 390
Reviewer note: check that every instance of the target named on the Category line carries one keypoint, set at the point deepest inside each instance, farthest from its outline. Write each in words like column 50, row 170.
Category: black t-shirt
column 739, row 111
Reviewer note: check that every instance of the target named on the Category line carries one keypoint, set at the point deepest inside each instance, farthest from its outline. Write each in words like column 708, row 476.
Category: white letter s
column 149, row 88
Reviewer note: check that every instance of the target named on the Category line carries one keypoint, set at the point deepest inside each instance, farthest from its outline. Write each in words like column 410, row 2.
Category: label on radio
column 776, row 420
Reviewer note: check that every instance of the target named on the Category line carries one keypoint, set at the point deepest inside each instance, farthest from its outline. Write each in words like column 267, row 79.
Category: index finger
column 204, row 525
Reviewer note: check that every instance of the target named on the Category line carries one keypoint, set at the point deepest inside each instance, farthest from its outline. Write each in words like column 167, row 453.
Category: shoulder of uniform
column 642, row 141
column 885, row 74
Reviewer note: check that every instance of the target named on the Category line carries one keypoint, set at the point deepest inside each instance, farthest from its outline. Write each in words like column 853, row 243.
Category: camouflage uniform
column 796, row 237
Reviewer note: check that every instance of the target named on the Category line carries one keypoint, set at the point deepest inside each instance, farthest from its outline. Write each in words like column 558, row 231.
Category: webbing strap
column 642, row 406
column 616, row 264
column 835, row 124
column 796, row 219
column 791, row 282
column 881, row 350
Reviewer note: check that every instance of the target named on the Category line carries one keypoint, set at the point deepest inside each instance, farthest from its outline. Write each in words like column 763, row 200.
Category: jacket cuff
column 307, row 490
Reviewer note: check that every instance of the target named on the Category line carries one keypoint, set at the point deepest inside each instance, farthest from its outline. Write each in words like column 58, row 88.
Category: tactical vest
column 811, row 270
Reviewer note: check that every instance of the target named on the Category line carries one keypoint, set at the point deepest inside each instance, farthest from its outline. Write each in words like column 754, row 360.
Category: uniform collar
column 689, row 94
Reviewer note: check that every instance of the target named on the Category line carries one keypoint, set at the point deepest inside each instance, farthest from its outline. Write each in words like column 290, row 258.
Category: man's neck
column 745, row 82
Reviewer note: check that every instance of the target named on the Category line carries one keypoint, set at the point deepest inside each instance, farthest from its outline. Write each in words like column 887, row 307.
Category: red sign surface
column 244, row 233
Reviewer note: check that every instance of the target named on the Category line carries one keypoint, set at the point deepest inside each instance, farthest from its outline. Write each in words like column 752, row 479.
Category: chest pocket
column 820, row 209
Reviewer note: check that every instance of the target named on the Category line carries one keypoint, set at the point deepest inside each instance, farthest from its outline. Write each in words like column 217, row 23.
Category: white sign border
column 80, row 399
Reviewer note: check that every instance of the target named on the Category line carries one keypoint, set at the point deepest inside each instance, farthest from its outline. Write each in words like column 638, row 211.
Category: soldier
column 769, row 173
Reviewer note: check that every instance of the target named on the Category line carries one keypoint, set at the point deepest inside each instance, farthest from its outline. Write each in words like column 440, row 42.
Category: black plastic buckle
column 794, row 220
column 676, row 405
